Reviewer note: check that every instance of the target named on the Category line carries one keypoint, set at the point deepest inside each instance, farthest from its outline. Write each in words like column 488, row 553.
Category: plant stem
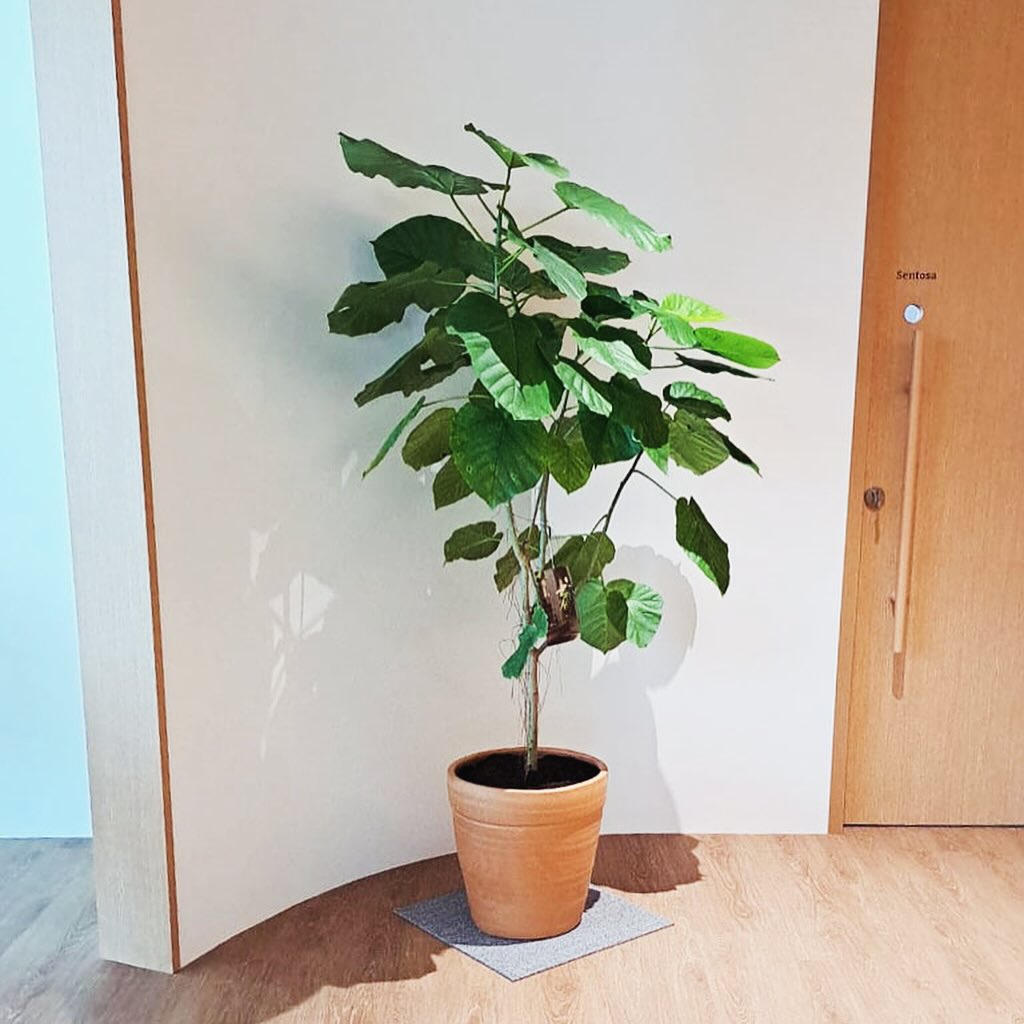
column 530, row 227
column 462, row 214
column 483, row 203
column 498, row 223
column 607, row 518
column 533, row 712
column 640, row 472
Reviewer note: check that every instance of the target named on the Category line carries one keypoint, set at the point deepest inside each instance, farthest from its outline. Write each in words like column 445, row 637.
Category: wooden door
column 936, row 734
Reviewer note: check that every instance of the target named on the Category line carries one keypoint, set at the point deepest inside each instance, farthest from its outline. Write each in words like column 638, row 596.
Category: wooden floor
column 882, row 926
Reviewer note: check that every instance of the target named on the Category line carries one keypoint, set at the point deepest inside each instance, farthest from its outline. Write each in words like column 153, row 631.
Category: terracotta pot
column 527, row 855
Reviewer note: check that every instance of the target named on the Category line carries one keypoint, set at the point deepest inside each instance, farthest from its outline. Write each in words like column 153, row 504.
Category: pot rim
column 455, row 780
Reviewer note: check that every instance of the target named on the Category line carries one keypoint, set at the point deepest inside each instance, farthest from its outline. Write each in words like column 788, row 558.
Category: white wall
column 43, row 785
column 322, row 667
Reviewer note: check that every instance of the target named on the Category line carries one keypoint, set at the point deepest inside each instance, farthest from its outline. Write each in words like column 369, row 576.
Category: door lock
column 874, row 498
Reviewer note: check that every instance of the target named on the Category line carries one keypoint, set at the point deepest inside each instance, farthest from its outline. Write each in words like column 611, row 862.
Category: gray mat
column 607, row 921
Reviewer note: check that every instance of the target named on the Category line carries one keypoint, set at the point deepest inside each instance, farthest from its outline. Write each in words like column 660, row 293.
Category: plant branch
column 530, row 227
column 499, row 218
column 469, row 223
column 646, row 476
column 607, row 517
column 483, row 203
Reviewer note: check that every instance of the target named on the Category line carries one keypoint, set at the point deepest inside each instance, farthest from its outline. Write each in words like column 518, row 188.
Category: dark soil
column 508, row 771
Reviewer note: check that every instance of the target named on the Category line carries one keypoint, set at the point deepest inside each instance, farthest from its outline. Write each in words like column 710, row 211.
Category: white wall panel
column 322, row 665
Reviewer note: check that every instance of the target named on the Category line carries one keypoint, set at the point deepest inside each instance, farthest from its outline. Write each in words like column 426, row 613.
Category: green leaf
column 637, row 409
column 644, row 607
column 478, row 540
column 585, row 258
column 694, row 444
column 585, row 556
column 583, row 385
column 507, row 356
column 739, row 454
column 568, row 458
column 606, row 440
column 737, row 348
column 697, row 537
column 449, row 487
column 619, row 348
column 370, row 306
column 396, row 433
column 498, row 457
column 603, row 302
column 659, row 456
column 428, row 443
column 675, row 313
column 435, row 357
column 710, row 366
column 432, row 239
column 510, row 158
column 604, row 615
column 614, row 214
column 506, row 568
column 364, row 156
column 684, row 394
column 534, row 630
column 563, row 275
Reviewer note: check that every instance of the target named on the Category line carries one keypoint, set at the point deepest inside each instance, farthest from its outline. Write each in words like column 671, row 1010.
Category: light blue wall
column 43, row 786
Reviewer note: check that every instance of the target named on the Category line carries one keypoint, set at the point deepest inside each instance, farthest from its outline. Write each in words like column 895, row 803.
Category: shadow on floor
column 347, row 937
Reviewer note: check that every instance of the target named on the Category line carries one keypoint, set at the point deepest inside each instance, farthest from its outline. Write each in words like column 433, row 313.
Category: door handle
column 901, row 608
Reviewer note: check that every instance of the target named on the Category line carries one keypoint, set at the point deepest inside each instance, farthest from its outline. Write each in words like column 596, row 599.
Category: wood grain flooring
column 882, row 926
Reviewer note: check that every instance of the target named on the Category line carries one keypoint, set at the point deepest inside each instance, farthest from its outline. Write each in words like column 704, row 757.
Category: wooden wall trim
column 147, row 473
column 852, row 552
column 87, row 195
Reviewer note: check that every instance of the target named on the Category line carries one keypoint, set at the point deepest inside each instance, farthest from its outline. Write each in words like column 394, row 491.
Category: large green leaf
column 364, row 156
column 618, row 348
column 369, row 306
column 614, row 214
column 660, row 456
column 585, row 556
column 607, row 440
column 637, row 409
column 478, row 540
column 498, row 456
column 511, row 158
column 562, row 274
column 448, row 486
column 604, row 615
column 697, row 537
column 435, row 357
column 737, row 348
column 694, row 444
column 684, row 394
column 643, row 606
column 675, row 313
column 583, row 386
column 603, row 302
column 396, row 433
column 710, row 366
column 568, row 458
column 534, row 630
column 428, row 443
column 506, row 568
column 507, row 356
column 432, row 239
column 585, row 258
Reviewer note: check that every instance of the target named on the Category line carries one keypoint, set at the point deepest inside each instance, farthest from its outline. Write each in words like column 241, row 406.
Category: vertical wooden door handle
column 907, row 509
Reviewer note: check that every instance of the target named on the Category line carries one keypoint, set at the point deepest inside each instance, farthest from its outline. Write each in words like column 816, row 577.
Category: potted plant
column 545, row 366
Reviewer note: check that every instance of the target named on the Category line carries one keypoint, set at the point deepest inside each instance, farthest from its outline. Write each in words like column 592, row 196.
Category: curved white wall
column 322, row 666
